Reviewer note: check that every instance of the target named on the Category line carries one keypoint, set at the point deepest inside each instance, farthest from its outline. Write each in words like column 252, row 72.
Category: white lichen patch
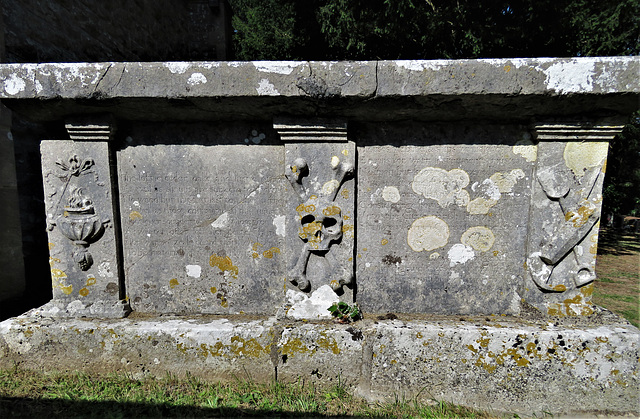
column 280, row 222
column 391, row 194
column 265, row 88
column 193, row 271
column 335, row 161
column 104, row 270
column 428, row 233
column 329, row 187
column 421, row 65
column 221, row 221
column 490, row 194
column 177, row 67
column 313, row 307
column 580, row 157
column 506, row 181
column 445, row 187
column 14, row 85
column 527, row 149
column 479, row 237
column 571, row 76
column 278, row 67
column 196, row 78
column 460, row 254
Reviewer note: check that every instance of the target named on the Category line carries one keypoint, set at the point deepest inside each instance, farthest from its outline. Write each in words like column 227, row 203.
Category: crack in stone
column 124, row 67
column 102, row 77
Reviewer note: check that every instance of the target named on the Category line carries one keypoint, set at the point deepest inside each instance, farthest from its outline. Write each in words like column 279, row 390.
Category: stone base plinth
column 490, row 363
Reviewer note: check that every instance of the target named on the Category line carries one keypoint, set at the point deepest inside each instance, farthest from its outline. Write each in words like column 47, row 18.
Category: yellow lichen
column 294, row 346
column 135, row 215
column 173, row 282
column 327, row 342
column 269, row 253
column 581, row 156
column 224, row 264
column 243, row 347
column 331, row 210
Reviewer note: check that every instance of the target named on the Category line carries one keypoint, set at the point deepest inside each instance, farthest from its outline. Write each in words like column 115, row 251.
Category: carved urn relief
column 78, row 221
column 80, row 224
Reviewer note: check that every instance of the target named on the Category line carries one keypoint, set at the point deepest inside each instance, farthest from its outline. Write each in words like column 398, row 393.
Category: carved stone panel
column 203, row 219
column 320, row 168
column 442, row 218
column 565, row 215
column 83, row 247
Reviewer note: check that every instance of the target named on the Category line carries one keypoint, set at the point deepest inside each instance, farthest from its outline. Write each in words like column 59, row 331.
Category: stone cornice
column 440, row 89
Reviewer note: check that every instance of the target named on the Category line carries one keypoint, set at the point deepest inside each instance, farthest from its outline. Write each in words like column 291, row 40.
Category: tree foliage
column 622, row 180
column 433, row 29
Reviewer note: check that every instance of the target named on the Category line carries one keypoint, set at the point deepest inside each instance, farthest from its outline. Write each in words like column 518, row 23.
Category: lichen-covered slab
column 442, row 218
column 203, row 220
column 490, row 364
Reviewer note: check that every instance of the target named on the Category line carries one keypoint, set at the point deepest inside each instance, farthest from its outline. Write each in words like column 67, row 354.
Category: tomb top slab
column 356, row 89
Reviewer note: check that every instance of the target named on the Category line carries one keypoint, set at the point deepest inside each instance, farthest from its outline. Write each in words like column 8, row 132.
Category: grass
column 618, row 270
column 32, row 394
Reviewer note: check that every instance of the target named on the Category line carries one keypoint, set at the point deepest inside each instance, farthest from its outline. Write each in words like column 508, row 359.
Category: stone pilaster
column 82, row 220
column 565, row 215
column 320, row 225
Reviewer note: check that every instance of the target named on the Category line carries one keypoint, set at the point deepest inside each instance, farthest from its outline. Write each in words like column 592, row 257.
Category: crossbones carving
column 580, row 215
column 321, row 222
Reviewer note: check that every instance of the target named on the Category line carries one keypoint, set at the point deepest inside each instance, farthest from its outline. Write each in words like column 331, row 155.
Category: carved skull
column 320, row 223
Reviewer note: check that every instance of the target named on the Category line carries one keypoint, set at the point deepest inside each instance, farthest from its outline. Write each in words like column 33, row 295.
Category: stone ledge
column 518, row 367
column 262, row 89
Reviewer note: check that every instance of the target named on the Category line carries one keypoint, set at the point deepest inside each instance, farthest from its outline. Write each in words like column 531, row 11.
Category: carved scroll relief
column 320, row 226
column 566, row 202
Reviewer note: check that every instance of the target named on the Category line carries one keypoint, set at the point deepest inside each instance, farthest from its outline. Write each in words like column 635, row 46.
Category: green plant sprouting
column 344, row 312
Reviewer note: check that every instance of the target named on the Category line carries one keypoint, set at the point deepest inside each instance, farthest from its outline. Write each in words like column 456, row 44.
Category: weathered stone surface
column 439, row 90
column 212, row 349
column 275, row 189
column 320, row 168
column 82, row 224
column 565, row 216
column 323, row 354
column 520, row 368
column 203, row 219
column 442, row 217
column 497, row 364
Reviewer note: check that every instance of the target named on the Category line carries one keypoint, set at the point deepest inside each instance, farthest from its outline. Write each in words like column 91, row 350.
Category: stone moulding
column 474, row 187
column 483, row 89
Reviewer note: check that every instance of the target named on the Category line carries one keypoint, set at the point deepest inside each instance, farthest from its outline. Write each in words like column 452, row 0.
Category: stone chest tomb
column 271, row 190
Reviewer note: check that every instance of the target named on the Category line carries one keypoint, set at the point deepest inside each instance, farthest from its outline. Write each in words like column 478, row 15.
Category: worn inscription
column 450, row 219
column 190, row 231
